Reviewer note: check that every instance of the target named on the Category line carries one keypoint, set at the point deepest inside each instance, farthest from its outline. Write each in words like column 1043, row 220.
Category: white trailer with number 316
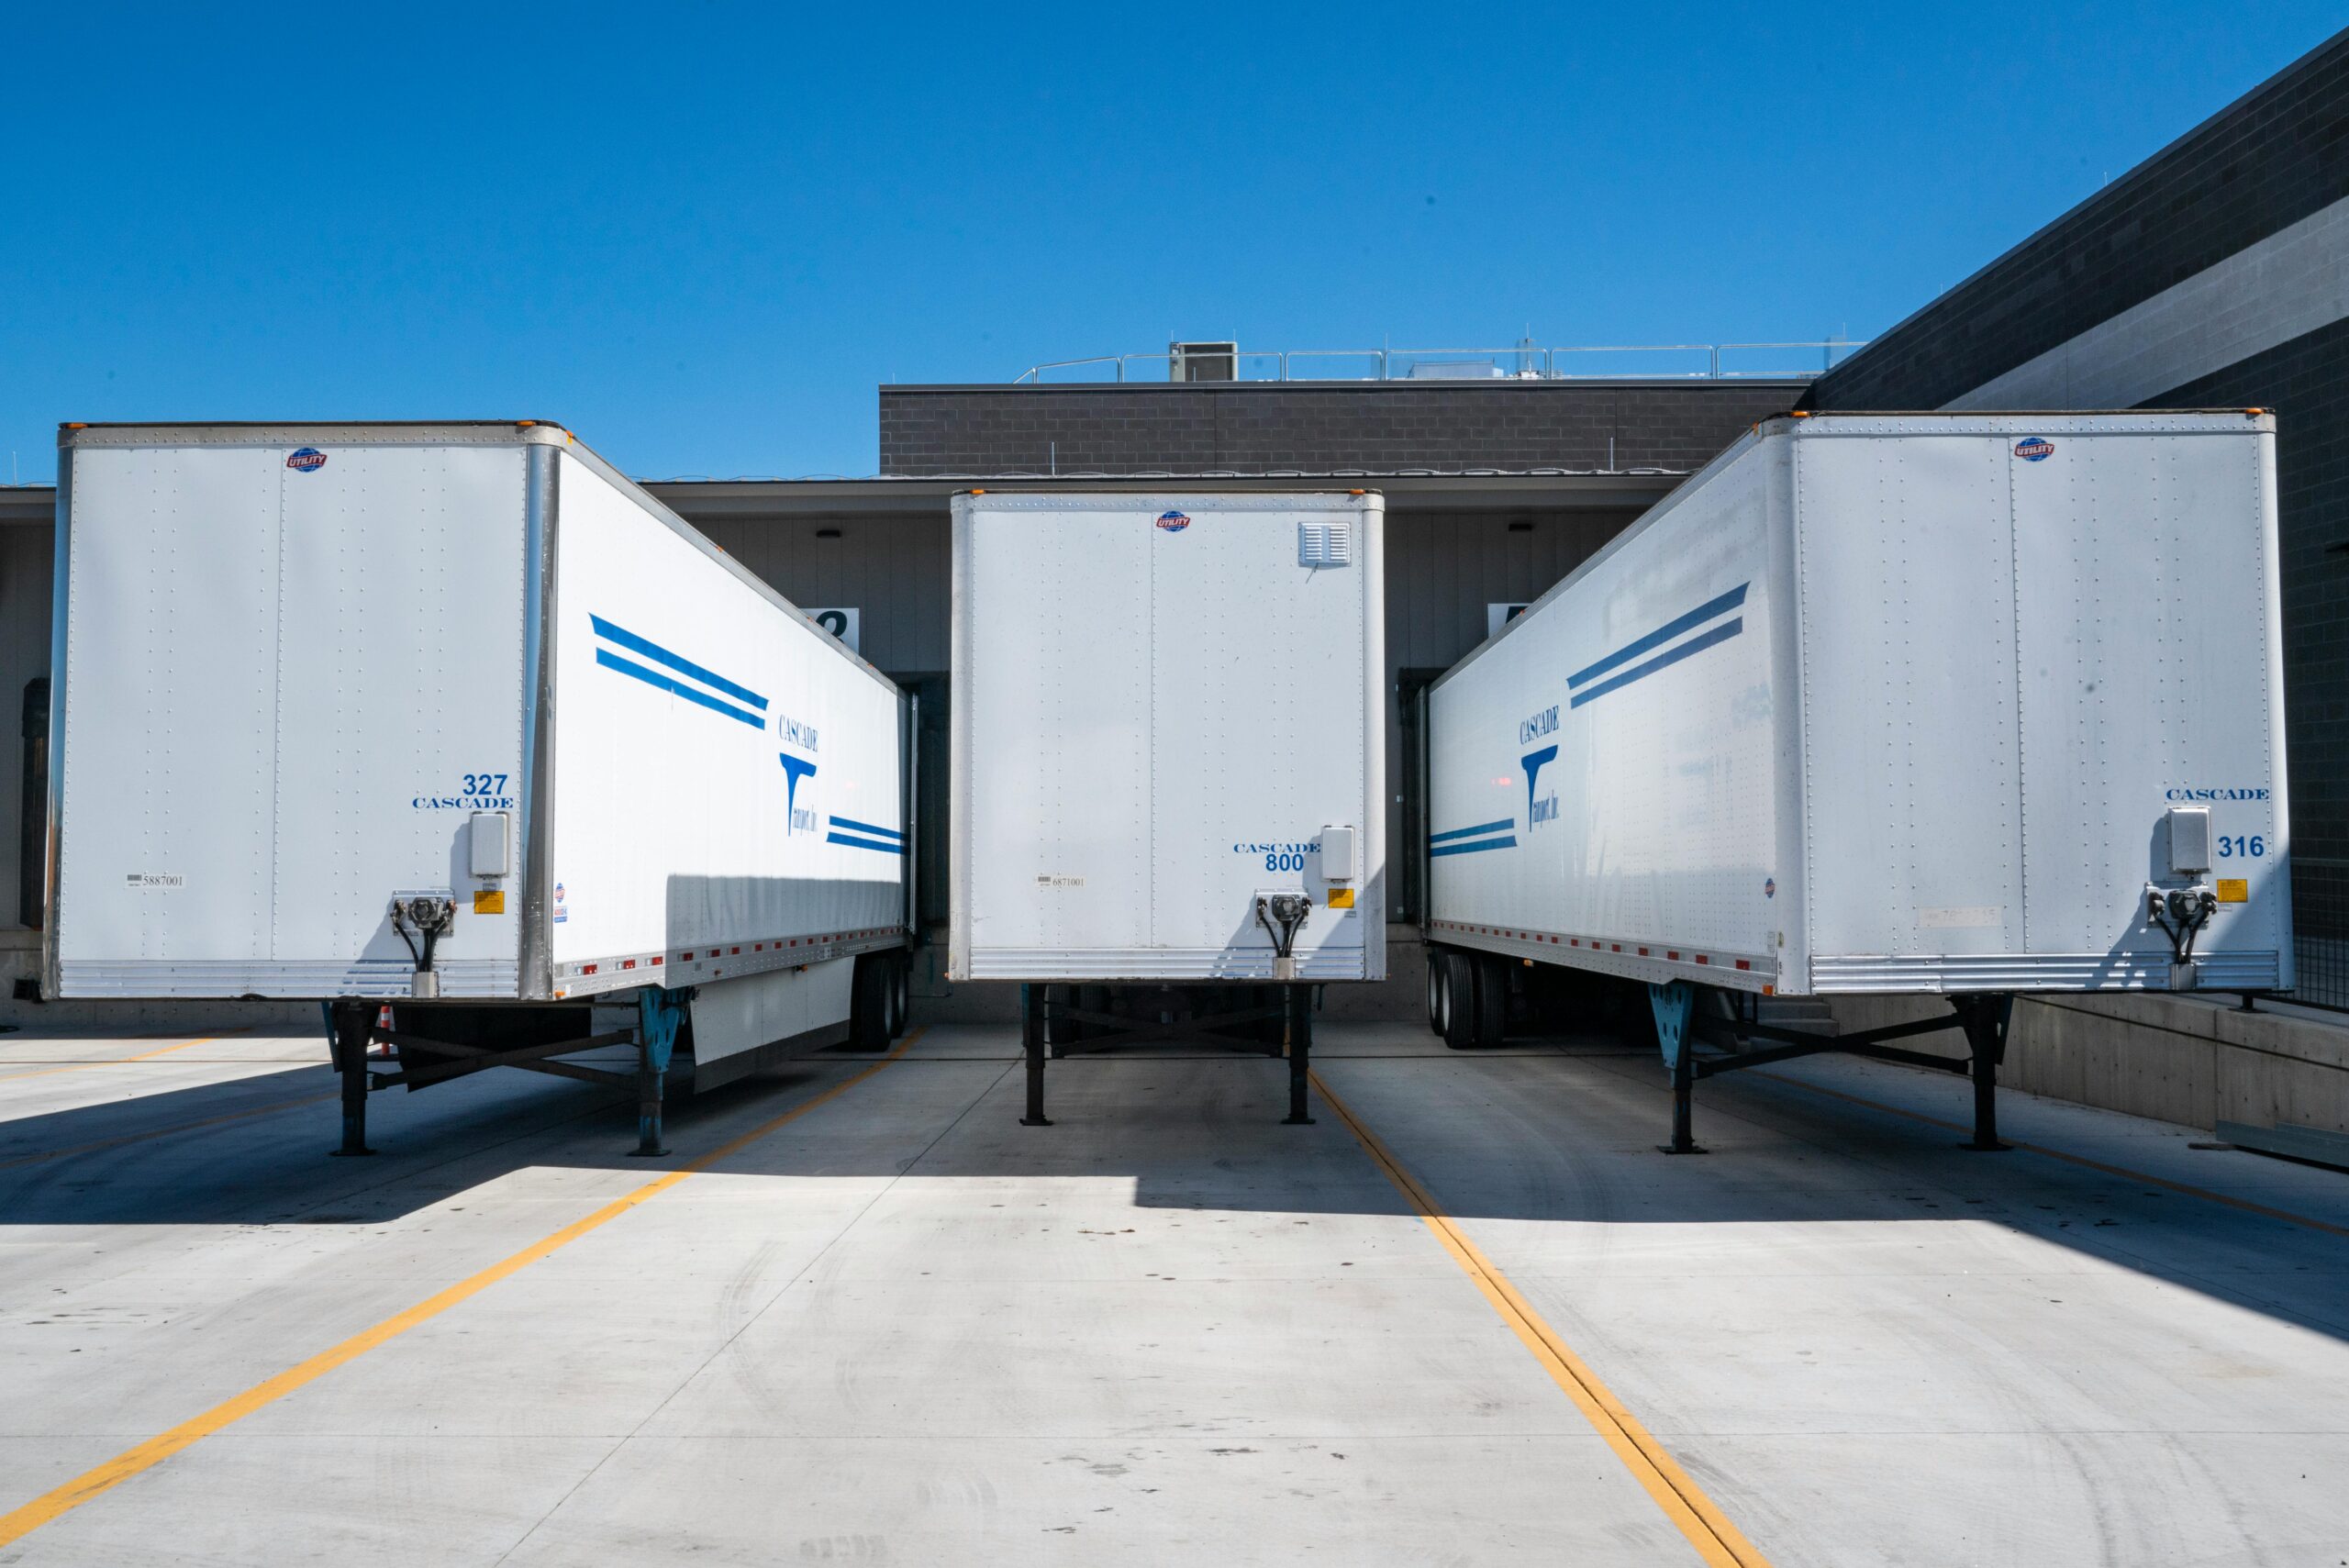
column 454, row 717
column 1961, row 705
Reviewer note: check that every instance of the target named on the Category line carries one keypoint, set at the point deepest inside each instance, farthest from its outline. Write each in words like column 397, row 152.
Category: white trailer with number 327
column 457, row 718
column 1959, row 705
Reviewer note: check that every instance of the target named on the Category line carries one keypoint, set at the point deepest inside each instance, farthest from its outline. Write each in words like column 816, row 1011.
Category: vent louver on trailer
column 1324, row 544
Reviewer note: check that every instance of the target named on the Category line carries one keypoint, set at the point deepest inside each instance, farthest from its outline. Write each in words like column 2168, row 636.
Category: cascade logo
column 1543, row 808
column 2034, row 448
column 306, row 460
column 2240, row 793
column 1173, row 522
column 1541, row 724
column 794, row 770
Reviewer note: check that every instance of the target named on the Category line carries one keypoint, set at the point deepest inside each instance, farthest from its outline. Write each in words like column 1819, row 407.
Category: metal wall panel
column 24, row 580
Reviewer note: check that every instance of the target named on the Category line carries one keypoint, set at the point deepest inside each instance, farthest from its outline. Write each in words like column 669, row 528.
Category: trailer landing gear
column 350, row 1026
column 1683, row 1014
column 1984, row 1019
column 461, row 1043
column 1674, row 1006
column 658, row 1013
column 1048, row 1026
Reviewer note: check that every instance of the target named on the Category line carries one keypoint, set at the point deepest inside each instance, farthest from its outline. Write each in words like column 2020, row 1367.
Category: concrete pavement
column 900, row 1328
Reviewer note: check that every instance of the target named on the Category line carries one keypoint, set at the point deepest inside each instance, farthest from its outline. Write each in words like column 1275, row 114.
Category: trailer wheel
column 1460, row 1000
column 868, row 1005
column 893, row 1017
column 901, row 993
column 1491, row 1022
column 1435, row 990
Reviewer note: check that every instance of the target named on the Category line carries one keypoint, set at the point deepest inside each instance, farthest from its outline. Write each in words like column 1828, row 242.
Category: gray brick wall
column 1259, row 427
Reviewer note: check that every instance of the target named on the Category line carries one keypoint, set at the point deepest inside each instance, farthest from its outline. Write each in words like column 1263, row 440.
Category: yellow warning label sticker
column 1342, row 899
column 2233, row 890
column 489, row 901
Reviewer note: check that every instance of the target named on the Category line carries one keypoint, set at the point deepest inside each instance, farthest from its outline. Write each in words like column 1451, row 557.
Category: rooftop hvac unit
column 1202, row 362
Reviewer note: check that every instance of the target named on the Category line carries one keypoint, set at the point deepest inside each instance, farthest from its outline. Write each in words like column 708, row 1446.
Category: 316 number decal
column 2239, row 847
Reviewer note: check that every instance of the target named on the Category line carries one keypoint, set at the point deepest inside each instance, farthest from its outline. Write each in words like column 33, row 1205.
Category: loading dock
column 891, row 1322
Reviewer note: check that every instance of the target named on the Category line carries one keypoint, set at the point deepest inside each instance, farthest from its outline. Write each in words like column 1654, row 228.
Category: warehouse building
column 2217, row 273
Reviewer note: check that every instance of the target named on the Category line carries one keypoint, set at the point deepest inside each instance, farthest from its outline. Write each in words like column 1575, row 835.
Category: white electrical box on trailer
column 1940, row 704
column 453, row 713
column 1166, row 708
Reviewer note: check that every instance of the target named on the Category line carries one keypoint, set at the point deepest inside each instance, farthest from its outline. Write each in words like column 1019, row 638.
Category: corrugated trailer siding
column 2021, row 641
column 282, row 676
column 1160, row 705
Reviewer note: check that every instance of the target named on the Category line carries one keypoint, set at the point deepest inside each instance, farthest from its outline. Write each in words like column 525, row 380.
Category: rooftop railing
column 1641, row 362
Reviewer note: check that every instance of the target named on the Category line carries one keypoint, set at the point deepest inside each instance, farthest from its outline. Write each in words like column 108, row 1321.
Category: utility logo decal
column 2034, row 448
column 1497, row 835
column 794, row 770
column 873, row 836
column 1539, row 808
column 562, row 906
column 622, row 650
column 1769, row 887
column 1712, row 621
column 306, row 460
column 1173, row 522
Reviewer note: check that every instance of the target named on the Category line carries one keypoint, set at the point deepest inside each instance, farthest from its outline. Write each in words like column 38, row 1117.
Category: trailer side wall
column 286, row 685
column 725, row 777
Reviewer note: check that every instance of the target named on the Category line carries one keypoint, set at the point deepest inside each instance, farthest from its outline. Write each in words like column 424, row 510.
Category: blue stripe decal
column 611, row 660
column 1721, row 633
column 661, row 655
column 855, row 843
column 1472, row 832
column 1662, row 634
column 1508, row 844
column 866, row 828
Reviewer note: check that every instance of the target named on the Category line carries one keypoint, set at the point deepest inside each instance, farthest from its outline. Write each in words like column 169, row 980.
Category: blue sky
column 701, row 235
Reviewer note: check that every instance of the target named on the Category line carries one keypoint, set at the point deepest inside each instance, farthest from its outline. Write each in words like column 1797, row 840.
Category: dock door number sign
column 840, row 623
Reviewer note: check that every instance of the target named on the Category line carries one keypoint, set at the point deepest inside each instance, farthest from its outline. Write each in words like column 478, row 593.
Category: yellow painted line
column 112, row 1061
column 1717, row 1540
column 16, row 1525
column 2245, row 1205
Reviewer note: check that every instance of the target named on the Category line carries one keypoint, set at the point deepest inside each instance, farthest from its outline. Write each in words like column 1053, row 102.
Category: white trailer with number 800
column 1169, row 767
column 456, row 718
column 1963, row 704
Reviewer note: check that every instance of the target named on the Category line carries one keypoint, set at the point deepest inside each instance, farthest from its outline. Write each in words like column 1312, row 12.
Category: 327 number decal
column 2240, row 846
column 483, row 784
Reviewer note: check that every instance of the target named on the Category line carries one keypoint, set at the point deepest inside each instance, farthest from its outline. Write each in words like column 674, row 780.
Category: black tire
column 1491, row 1024
column 1460, row 1000
column 901, row 993
column 1435, row 991
column 868, row 1005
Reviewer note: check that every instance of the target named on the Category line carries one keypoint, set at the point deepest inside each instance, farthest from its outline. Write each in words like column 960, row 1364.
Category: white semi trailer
column 455, row 717
column 1957, row 704
column 1168, row 762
